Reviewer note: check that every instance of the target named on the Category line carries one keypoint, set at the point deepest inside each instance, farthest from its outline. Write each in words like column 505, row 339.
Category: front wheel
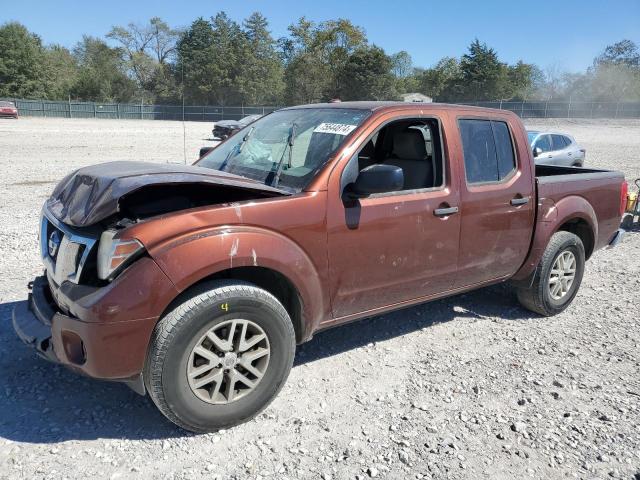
column 220, row 357
column 558, row 276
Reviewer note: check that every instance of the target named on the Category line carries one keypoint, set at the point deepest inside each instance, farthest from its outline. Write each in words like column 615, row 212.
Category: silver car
column 551, row 148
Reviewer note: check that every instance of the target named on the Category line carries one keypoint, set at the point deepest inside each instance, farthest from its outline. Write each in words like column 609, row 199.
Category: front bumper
column 106, row 331
column 32, row 320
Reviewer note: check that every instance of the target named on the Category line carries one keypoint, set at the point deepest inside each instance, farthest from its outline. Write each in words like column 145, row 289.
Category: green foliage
column 22, row 63
column 483, row 76
column 366, row 75
column 102, row 74
column 442, row 81
column 62, row 72
column 315, row 57
column 221, row 61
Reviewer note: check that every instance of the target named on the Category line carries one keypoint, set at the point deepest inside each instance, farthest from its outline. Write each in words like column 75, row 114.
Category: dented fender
column 189, row 259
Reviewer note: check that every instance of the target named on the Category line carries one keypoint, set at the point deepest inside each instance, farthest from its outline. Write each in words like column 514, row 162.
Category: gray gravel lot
column 472, row 386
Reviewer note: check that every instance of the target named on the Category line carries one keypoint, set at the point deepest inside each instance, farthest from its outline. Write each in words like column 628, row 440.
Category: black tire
column 179, row 330
column 537, row 297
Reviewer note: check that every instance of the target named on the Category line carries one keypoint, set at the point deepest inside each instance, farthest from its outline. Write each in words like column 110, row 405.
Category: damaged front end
column 88, row 311
column 138, row 190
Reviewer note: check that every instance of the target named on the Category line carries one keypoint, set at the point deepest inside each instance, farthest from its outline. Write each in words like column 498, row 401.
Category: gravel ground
column 468, row 387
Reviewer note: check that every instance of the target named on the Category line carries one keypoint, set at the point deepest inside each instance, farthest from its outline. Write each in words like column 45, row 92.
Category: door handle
column 519, row 201
column 444, row 212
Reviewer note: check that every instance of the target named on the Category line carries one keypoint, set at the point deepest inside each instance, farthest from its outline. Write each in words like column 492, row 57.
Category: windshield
column 532, row 136
column 287, row 147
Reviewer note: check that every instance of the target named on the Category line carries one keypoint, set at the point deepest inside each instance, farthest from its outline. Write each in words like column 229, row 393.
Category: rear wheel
column 220, row 357
column 558, row 276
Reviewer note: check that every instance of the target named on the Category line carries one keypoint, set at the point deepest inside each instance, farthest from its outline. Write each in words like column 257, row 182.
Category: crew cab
column 195, row 283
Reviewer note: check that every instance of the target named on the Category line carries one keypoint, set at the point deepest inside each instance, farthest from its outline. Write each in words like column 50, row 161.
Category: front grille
column 64, row 249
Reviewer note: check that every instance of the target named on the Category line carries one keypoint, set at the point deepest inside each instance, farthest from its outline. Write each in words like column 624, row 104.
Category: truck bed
column 584, row 185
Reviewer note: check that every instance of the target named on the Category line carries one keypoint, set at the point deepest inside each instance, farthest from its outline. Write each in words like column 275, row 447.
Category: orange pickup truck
column 195, row 283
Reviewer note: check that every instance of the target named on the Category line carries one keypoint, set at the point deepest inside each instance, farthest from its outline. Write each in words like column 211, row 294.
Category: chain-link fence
column 554, row 109
column 141, row 111
column 212, row 113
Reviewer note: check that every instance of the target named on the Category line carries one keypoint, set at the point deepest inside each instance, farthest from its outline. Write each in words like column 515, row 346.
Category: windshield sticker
column 335, row 128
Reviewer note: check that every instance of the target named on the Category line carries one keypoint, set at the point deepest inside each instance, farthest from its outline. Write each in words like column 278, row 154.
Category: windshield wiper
column 290, row 140
column 238, row 149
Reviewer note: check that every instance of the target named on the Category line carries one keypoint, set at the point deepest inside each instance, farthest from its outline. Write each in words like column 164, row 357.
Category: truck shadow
column 45, row 403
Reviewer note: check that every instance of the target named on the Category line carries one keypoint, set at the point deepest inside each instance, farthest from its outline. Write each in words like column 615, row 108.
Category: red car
column 8, row 109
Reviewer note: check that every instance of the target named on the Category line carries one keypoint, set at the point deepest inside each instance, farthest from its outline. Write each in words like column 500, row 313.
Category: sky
column 565, row 34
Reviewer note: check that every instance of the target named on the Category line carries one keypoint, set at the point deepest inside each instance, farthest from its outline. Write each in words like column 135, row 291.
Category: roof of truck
column 379, row 105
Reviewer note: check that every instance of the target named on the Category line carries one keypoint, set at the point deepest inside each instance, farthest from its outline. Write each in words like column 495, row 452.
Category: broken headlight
column 115, row 254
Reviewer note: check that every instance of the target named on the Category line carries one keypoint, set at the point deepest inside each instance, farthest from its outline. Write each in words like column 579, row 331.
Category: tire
column 538, row 297
column 171, row 358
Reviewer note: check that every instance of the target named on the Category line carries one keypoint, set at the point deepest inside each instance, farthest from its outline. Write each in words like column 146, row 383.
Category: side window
column 487, row 148
column 504, row 147
column 544, row 143
column 412, row 145
column 567, row 140
column 558, row 142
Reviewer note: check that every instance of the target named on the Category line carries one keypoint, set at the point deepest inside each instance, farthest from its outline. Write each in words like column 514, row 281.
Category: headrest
column 409, row 145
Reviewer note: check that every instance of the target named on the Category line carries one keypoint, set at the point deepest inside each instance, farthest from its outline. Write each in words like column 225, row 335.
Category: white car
column 551, row 148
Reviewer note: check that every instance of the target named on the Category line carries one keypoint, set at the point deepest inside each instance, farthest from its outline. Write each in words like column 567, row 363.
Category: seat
column 366, row 157
column 410, row 154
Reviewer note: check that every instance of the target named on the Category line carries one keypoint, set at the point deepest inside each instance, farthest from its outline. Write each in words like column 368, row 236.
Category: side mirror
column 537, row 151
column 378, row 178
column 204, row 151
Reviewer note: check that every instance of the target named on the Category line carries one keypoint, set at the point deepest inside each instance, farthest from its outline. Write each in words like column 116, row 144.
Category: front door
column 398, row 246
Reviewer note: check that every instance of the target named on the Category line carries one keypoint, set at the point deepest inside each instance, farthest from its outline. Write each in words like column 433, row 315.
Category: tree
column 483, row 74
column 624, row 53
column 315, row 55
column 402, row 64
column 63, row 71
column 367, row 76
column 441, row 81
column 22, row 63
column 305, row 74
column 523, row 80
column 148, row 49
column 263, row 68
column 102, row 76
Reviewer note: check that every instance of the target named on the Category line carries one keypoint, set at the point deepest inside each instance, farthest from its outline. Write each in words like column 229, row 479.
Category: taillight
column 623, row 197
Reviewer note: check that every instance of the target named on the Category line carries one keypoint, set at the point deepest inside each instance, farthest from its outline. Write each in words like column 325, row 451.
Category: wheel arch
column 579, row 227
column 267, row 259
column 573, row 214
column 268, row 279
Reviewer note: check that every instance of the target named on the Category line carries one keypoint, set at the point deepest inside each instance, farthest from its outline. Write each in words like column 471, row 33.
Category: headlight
column 115, row 254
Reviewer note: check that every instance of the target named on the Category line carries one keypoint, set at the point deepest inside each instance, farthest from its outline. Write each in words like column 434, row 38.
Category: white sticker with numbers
column 335, row 128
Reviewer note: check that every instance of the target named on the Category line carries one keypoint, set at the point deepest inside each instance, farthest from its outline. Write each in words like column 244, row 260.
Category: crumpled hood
column 91, row 194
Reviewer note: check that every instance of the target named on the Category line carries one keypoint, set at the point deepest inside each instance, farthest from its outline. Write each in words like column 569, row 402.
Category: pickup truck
column 195, row 283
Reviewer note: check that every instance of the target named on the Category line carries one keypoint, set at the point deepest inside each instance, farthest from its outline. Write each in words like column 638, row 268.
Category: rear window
column 558, row 142
column 488, row 150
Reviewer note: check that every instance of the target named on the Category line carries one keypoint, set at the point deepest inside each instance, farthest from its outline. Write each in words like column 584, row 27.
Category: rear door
column 497, row 200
